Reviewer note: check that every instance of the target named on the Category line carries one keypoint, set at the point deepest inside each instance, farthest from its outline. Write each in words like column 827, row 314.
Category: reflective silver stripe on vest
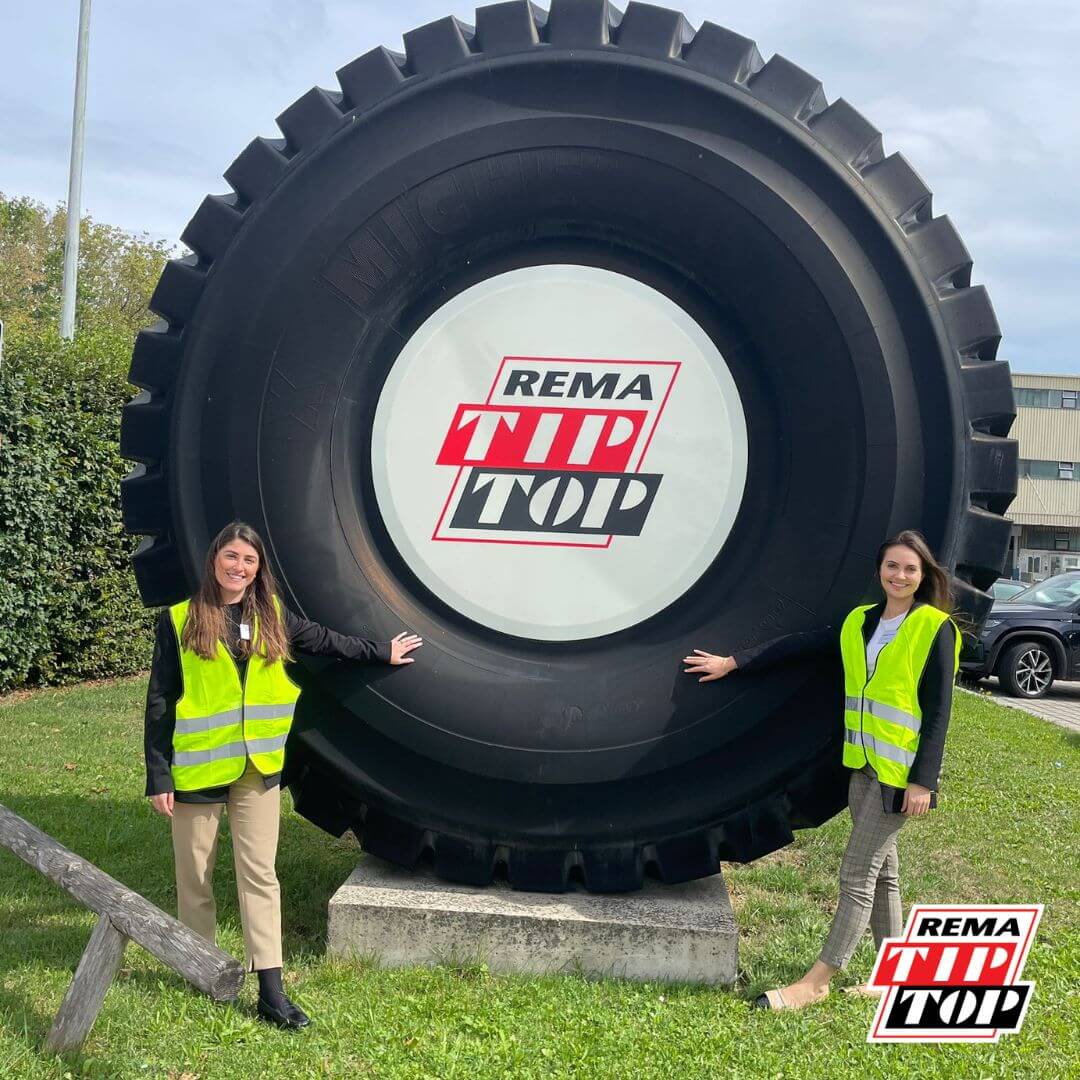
column 882, row 749
column 270, row 712
column 885, row 712
column 230, row 750
column 193, row 724
column 266, row 746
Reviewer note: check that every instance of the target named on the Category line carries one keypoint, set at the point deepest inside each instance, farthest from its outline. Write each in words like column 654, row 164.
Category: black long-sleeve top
column 935, row 686
column 166, row 686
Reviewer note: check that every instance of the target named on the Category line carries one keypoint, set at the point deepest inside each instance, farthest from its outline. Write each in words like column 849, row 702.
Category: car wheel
column 423, row 347
column 1027, row 669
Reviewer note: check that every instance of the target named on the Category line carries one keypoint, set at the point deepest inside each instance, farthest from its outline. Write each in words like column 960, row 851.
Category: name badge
column 245, row 632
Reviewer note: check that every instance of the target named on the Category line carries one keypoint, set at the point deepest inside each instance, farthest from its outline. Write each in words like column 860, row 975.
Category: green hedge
column 69, row 608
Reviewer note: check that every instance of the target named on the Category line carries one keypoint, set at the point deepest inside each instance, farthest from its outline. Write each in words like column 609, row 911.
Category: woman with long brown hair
column 219, row 706
column 900, row 658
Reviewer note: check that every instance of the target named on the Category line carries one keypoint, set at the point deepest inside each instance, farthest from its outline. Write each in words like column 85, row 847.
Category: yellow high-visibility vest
column 221, row 722
column 882, row 717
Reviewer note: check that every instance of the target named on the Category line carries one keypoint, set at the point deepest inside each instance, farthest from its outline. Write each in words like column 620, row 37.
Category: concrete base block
column 681, row 933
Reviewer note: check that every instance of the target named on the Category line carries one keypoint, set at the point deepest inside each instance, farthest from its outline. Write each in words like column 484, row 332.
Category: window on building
column 1042, row 538
column 1065, row 470
column 1030, row 397
column 1033, row 398
column 1045, row 470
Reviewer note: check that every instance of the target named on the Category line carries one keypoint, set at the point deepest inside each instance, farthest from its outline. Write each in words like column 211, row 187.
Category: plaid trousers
column 869, row 873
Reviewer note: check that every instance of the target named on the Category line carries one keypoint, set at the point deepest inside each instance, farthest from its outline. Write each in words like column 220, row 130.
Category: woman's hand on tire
column 402, row 644
column 163, row 803
column 708, row 666
column 916, row 800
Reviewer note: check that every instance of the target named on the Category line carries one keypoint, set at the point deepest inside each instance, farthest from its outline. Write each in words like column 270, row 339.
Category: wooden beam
column 93, row 977
column 202, row 964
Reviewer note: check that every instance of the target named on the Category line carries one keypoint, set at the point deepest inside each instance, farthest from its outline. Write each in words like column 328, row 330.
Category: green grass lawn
column 71, row 762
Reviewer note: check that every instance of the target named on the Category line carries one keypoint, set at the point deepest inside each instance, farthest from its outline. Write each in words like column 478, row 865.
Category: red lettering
column 542, row 437
column 943, row 963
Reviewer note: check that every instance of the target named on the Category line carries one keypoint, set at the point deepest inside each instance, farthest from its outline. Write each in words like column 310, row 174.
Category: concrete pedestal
column 683, row 933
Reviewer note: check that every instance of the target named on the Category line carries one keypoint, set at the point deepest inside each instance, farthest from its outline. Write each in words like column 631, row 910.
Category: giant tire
column 724, row 188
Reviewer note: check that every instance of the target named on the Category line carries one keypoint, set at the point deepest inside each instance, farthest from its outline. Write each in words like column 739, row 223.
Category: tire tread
column 648, row 30
column 507, row 27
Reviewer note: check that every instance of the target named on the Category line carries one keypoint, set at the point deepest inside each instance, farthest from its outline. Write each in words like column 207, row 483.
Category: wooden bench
column 124, row 915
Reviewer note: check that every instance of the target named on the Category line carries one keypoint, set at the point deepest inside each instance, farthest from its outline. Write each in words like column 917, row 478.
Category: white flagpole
column 74, row 203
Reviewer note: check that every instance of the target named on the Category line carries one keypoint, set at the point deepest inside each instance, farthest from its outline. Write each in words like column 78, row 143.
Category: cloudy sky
column 982, row 96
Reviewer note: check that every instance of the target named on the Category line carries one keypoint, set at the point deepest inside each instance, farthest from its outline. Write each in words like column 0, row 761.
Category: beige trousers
column 254, row 818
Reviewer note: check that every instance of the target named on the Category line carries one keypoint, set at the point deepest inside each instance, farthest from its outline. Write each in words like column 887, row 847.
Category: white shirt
column 884, row 632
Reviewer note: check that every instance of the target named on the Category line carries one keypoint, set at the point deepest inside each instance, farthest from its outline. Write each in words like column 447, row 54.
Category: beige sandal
column 771, row 999
column 774, row 999
column 862, row 990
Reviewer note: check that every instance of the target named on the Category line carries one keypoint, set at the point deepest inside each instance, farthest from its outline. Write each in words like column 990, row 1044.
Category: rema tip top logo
column 955, row 974
column 536, row 445
column 553, row 456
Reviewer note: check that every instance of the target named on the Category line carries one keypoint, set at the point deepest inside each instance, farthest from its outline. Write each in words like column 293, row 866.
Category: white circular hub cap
column 559, row 452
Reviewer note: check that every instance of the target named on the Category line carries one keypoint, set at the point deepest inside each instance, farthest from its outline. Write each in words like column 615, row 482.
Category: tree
column 68, row 604
column 117, row 273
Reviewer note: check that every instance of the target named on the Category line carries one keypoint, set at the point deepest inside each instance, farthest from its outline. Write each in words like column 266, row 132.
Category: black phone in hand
column 892, row 799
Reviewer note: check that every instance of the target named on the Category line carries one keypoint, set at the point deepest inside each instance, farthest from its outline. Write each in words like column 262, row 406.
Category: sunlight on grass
column 1007, row 830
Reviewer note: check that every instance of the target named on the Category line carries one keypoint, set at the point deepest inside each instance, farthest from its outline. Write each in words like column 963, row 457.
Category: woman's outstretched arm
column 789, row 649
column 310, row 637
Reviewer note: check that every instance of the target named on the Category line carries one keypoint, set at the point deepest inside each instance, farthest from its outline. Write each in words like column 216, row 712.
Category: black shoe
column 283, row 1013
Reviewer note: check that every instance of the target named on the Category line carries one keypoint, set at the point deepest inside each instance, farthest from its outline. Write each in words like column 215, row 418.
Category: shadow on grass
column 41, row 924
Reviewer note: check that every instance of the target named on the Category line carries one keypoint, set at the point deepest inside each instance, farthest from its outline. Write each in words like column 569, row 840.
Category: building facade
column 1046, row 512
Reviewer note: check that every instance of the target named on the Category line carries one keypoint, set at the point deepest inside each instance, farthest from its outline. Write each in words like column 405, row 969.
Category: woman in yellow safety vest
column 900, row 659
column 219, row 706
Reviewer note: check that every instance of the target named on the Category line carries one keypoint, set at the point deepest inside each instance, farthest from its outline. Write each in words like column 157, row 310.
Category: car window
column 1063, row 589
column 1005, row 590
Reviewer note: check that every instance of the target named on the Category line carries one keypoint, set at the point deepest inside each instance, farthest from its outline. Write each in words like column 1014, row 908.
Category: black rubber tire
column 775, row 219
column 1032, row 654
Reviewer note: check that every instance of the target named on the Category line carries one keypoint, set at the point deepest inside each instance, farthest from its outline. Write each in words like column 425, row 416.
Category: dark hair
column 205, row 623
column 935, row 587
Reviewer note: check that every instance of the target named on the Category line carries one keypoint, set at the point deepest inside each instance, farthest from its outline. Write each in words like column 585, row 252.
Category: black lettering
column 583, row 385
column 951, row 927
column 640, row 386
column 553, row 383
column 980, row 929
column 371, row 257
column 521, row 380
column 618, row 509
column 1009, row 926
column 929, row 1008
column 442, row 205
column 930, row 926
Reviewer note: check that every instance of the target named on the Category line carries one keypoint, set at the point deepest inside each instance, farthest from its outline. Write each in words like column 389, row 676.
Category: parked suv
column 1030, row 640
